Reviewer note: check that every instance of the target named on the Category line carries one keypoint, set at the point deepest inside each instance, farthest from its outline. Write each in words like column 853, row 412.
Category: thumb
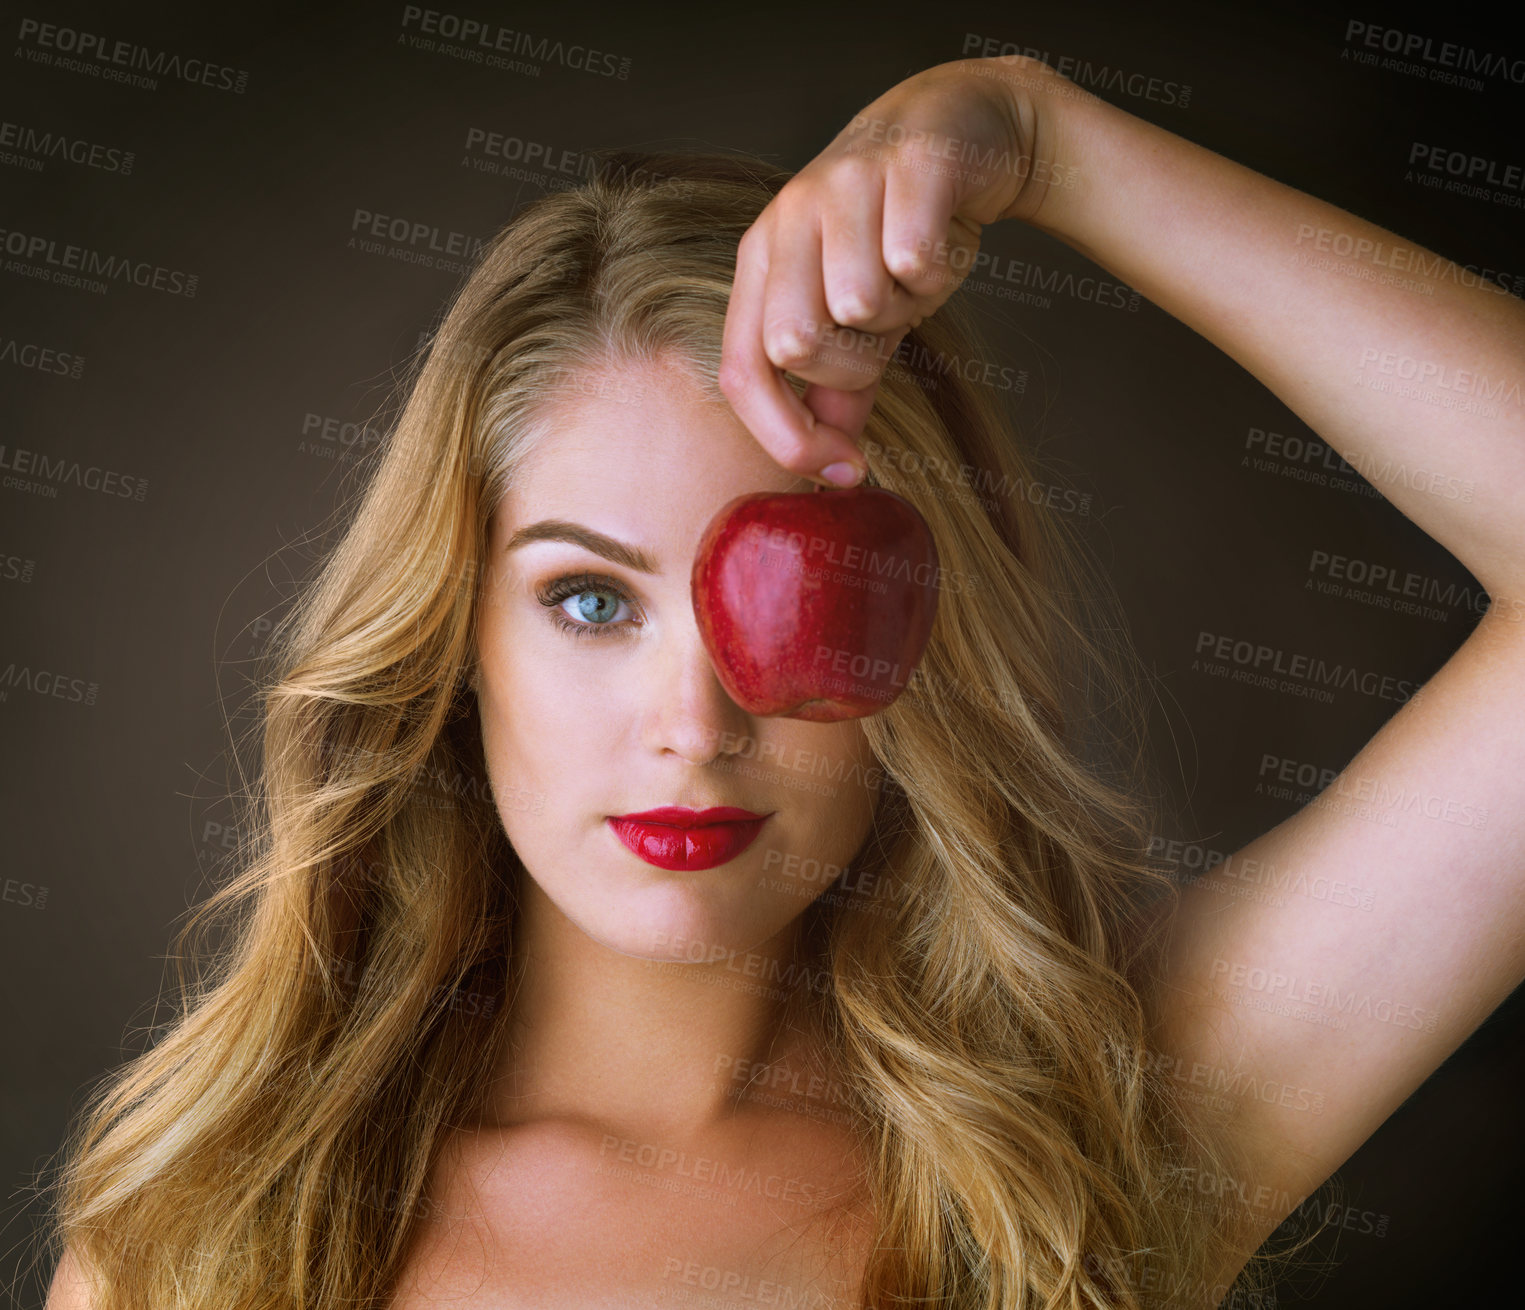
column 847, row 411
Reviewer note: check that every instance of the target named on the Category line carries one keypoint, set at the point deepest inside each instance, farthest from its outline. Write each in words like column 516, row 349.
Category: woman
column 924, row 1023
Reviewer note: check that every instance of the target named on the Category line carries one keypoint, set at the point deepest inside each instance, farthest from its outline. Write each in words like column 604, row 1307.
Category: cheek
column 550, row 720
column 847, row 741
column 837, row 755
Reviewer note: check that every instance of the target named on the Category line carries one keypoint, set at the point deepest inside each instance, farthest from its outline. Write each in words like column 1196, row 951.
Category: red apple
column 816, row 605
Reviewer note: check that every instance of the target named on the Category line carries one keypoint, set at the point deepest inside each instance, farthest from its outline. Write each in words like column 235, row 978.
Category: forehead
column 638, row 439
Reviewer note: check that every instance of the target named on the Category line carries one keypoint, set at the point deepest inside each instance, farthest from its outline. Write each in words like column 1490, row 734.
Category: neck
column 640, row 1048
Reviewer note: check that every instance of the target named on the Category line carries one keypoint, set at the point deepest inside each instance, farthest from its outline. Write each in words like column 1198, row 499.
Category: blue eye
column 598, row 600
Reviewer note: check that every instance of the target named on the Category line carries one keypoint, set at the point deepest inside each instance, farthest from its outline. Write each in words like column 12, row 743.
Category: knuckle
column 793, row 454
column 794, row 199
column 907, row 264
column 733, row 378
column 857, row 170
column 854, row 304
column 751, row 244
column 755, row 242
column 788, row 342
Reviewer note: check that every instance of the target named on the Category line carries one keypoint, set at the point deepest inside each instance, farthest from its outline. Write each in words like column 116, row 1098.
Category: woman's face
column 598, row 698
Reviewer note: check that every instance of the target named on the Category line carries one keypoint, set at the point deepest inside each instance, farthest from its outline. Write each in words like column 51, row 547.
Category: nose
column 691, row 714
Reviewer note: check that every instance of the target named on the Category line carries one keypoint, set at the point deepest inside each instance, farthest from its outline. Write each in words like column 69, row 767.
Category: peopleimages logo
column 486, row 43
column 1434, row 58
column 112, row 60
column 44, row 359
column 97, row 269
column 1408, row 259
column 41, row 474
column 45, row 682
column 1259, row 664
column 37, row 144
column 1083, row 72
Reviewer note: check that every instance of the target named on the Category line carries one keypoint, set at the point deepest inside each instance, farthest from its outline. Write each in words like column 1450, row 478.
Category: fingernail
column 842, row 473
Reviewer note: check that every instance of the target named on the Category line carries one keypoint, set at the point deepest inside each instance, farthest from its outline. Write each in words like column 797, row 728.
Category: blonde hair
column 1024, row 1148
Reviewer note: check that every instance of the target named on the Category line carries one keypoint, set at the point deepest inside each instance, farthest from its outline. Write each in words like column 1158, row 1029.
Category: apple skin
column 815, row 605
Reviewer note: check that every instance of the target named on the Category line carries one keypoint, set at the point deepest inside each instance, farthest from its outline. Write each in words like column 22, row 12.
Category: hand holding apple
column 904, row 229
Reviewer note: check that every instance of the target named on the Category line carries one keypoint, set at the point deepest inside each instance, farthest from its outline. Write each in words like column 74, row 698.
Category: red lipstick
column 673, row 837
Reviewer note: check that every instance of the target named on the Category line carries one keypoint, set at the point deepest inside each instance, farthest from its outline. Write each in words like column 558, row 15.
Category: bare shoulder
column 72, row 1288
column 450, row 1252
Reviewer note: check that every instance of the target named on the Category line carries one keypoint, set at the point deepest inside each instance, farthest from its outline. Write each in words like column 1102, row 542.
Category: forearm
column 1411, row 368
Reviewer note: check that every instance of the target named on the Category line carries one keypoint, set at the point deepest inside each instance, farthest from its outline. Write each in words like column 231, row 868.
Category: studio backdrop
column 224, row 234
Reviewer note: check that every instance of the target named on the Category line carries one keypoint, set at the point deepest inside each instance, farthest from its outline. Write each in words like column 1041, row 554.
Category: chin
column 669, row 929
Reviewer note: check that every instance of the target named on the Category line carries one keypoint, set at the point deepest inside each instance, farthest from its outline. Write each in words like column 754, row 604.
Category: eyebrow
column 579, row 535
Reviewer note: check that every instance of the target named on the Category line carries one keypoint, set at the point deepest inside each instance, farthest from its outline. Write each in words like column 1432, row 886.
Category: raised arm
column 1375, row 904
column 1281, row 990
column 1409, row 365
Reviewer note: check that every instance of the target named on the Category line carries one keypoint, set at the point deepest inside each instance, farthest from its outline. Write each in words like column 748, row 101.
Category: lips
column 672, row 837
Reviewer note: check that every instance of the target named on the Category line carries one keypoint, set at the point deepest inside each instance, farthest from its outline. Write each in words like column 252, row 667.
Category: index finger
column 787, row 428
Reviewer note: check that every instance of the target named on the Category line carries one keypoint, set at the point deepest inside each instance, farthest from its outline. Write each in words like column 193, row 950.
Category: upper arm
column 1319, row 975
column 70, row 1290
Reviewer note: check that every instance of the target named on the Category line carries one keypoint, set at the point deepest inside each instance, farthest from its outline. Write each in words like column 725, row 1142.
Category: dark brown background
column 161, row 604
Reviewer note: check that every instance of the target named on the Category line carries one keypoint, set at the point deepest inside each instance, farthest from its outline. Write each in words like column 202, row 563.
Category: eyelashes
column 557, row 590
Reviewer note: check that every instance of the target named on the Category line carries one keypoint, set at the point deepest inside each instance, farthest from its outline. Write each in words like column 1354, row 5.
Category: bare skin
column 1322, row 307
column 656, row 1115
column 874, row 234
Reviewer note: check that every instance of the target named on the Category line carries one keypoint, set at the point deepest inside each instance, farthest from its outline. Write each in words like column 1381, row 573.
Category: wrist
column 1052, row 117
